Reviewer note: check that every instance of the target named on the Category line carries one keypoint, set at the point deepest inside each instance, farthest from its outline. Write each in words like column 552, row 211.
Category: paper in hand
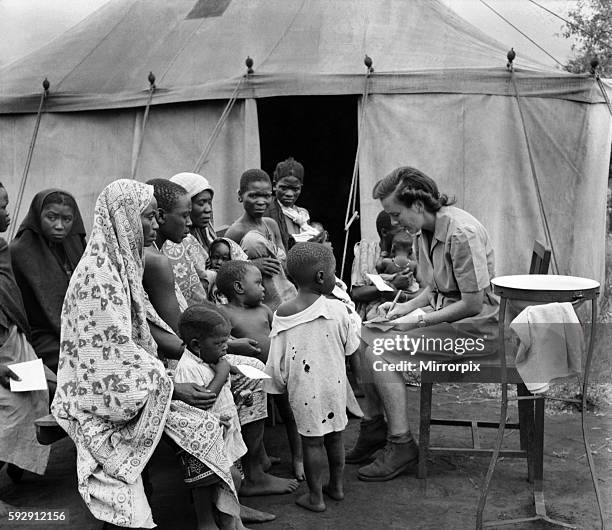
column 379, row 283
column 251, row 372
column 32, row 375
column 409, row 317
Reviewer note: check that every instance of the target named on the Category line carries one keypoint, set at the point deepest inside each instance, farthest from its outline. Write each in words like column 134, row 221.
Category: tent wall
column 474, row 147
column 82, row 152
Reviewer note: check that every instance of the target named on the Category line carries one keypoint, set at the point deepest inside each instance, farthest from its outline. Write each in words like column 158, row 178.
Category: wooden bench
column 48, row 430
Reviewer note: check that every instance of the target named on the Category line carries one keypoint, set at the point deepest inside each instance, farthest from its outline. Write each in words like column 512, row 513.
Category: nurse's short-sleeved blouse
column 460, row 259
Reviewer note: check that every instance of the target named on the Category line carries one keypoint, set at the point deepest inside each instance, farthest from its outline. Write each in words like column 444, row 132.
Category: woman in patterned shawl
column 189, row 257
column 113, row 396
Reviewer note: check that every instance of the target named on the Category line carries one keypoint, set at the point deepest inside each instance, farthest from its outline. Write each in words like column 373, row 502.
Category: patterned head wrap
column 113, row 394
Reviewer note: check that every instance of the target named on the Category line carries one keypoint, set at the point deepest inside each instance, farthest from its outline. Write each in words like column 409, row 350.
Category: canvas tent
column 440, row 99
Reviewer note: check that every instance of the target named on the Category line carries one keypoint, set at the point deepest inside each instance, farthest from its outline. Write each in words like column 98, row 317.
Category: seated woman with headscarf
column 189, row 257
column 46, row 250
column 114, row 398
column 18, row 410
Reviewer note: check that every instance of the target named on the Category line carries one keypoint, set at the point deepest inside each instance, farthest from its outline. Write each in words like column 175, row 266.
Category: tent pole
column 152, row 87
column 534, row 174
column 26, row 169
column 351, row 209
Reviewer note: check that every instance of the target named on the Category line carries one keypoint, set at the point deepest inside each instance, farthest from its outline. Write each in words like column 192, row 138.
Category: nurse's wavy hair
column 411, row 185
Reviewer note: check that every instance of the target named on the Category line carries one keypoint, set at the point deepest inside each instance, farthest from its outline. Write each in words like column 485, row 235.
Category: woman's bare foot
column 314, row 505
column 336, row 493
column 269, row 461
column 251, row 515
column 298, row 469
column 268, row 485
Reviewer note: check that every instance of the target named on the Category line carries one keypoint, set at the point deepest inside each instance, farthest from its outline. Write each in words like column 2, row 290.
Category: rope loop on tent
column 534, row 176
column 152, row 87
column 26, row 169
column 351, row 209
column 223, row 118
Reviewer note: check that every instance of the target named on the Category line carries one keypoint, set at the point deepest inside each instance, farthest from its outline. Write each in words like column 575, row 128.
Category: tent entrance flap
column 320, row 133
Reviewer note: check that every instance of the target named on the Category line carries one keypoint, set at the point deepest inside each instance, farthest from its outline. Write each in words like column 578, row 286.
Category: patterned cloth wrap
column 113, row 395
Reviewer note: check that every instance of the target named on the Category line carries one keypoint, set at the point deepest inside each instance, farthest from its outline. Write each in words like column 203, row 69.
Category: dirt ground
column 447, row 500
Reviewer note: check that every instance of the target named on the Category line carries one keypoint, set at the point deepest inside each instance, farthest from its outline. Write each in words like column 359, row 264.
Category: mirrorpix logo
column 434, row 345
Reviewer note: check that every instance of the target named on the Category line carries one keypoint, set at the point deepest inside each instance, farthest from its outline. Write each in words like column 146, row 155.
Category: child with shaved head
column 311, row 335
column 241, row 282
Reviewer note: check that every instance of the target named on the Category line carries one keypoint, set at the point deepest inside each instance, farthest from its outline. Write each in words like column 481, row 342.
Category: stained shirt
column 307, row 359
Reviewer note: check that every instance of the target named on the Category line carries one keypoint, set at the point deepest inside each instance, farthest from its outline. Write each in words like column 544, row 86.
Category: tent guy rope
column 351, row 209
column 152, row 87
column 534, row 174
column 26, row 169
column 523, row 33
column 223, row 118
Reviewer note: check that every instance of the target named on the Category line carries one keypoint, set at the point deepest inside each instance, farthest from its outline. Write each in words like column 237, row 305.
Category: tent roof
column 197, row 49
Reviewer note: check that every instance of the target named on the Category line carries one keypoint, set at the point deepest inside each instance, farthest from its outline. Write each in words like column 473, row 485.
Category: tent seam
column 182, row 49
column 99, row 44
column 284, row 34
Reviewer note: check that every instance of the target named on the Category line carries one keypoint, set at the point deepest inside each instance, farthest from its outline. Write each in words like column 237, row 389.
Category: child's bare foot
column 251, row 515
column 334, row 492
column 269, row 461
column 314, row 505
column 298, row 469
column 268, row 485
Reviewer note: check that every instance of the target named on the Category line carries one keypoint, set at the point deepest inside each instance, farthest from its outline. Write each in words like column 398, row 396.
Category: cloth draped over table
column 40, row 271
column 113, row 395
column 551, row 344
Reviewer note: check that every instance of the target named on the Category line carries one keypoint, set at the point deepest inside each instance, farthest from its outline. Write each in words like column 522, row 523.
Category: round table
column 539, row 289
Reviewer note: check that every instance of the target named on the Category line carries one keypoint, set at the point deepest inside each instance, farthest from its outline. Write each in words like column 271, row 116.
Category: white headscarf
column 193, row 183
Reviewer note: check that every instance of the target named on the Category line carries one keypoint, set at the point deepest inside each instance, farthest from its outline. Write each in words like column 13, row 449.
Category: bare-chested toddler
column 241, row 283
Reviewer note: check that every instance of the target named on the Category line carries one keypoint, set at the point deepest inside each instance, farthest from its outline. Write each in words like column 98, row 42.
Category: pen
column 394, row 301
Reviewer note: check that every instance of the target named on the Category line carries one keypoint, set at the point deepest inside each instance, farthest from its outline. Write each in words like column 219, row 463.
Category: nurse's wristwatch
column 421, row 322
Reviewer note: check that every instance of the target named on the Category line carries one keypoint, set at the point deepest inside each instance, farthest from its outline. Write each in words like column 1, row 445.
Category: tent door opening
column 320, row 132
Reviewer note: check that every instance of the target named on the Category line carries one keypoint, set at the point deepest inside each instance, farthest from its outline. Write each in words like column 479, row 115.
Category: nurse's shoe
column 396, row 458
column 372, row 437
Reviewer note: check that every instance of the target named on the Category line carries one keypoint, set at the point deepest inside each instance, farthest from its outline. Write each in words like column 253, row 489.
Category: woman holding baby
column 455, row 262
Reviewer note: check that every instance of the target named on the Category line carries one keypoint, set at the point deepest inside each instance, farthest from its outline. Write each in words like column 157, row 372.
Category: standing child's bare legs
column 282, row 403
column 335, row 457
column 257, row 481
column 314, row 464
